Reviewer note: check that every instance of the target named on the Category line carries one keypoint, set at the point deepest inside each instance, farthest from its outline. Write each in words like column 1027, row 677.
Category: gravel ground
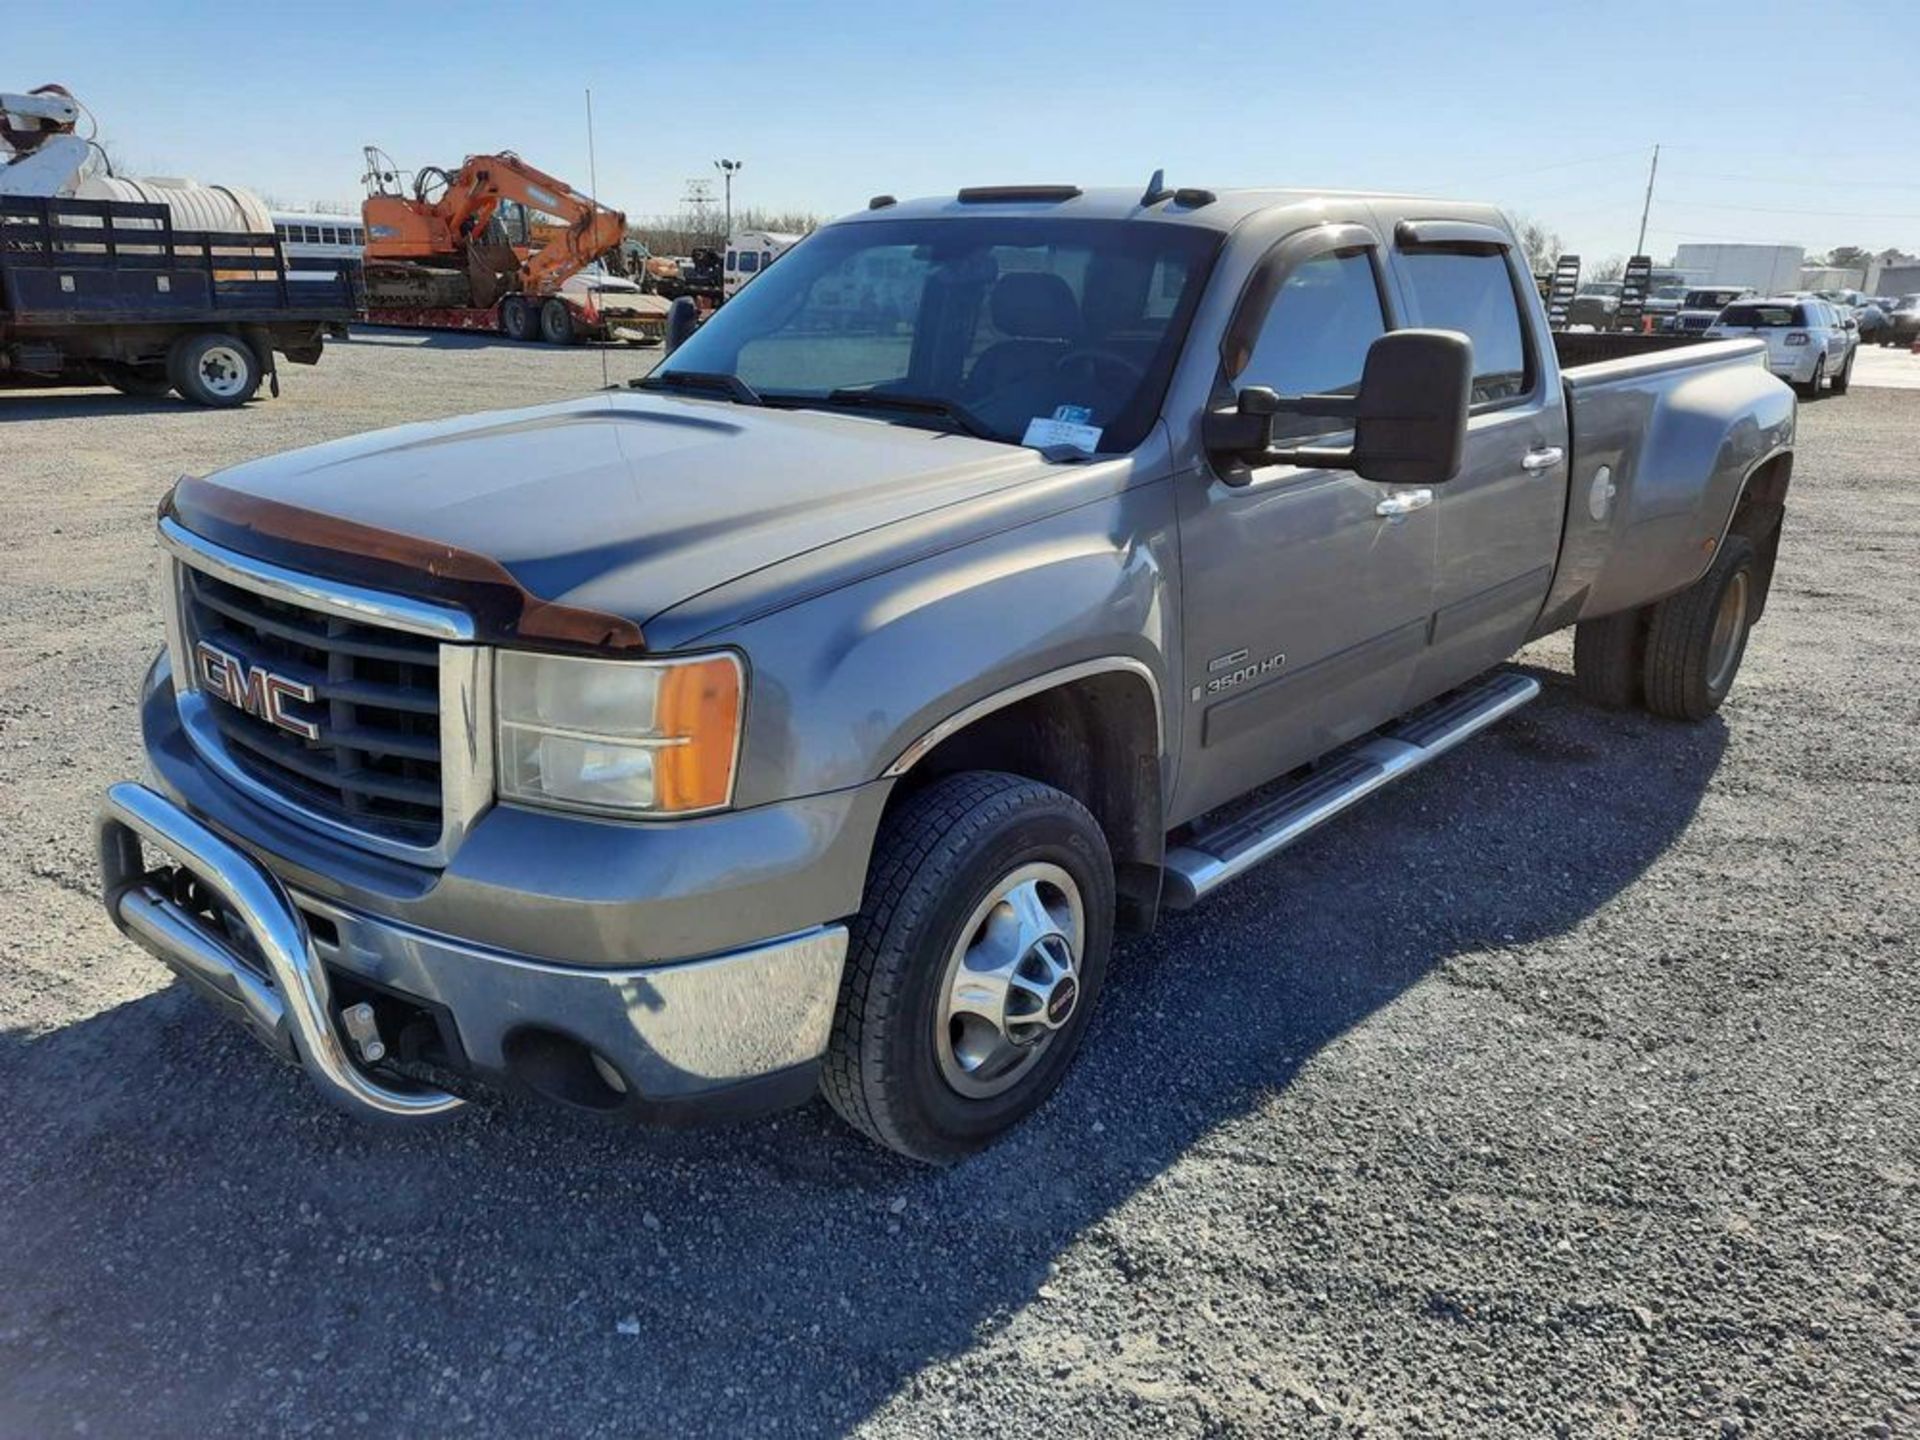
column 1568, row 1090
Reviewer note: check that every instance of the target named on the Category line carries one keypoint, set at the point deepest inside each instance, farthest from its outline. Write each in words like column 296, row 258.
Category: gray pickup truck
column 993, row 573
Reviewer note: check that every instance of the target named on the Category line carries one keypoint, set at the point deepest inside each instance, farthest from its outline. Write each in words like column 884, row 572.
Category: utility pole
column 1640, row 245
column 727, row 169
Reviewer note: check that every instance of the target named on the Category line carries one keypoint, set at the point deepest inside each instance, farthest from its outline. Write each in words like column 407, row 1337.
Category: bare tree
column 1611, row 268
column 1540, row 245
column 699, row 228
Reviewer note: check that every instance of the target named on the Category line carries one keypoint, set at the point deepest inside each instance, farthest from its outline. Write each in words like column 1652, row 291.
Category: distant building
column 1898, row 275
column 1770, row 269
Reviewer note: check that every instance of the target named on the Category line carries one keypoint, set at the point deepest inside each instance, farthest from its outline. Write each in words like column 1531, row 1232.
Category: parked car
column 1903, row 321
column 1595, row 303
column 1810, row 344
column 815, row 714
column 1702, row 306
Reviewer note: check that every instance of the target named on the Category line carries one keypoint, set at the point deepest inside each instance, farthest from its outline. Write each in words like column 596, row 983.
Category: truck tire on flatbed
column 214, row 368
column 1608, row 657
column 973, row 964
column 556, row 323
column 1695, row 640
column 518, row 320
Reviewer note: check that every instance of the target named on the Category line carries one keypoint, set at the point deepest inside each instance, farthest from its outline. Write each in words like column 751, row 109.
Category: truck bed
column 66, row 263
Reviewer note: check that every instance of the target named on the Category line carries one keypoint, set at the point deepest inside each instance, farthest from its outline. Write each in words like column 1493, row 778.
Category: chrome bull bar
column 290, row 1008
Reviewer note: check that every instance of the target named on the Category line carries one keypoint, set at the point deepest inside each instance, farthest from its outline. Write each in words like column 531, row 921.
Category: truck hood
column 630, row 504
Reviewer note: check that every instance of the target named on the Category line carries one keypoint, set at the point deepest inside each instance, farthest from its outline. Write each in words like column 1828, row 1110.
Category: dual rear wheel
column 1676, row 658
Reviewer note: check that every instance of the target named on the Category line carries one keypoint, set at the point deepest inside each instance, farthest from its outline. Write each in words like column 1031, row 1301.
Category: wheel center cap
column 1060, row 1002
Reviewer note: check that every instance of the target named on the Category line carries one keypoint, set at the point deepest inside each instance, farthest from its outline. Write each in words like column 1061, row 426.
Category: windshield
column 1907, row 303
column 1710, row 299
column 998, row 321
column 1601, row 287
column 1761, row 317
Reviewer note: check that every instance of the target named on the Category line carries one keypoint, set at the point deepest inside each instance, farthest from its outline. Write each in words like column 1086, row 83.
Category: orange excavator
column 463, row 251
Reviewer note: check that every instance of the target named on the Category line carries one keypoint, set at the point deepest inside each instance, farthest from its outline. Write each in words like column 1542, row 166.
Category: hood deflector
column 504, row 611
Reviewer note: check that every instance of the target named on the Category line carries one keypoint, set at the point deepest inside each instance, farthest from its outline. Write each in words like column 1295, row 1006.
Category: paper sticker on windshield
column 1045, row 434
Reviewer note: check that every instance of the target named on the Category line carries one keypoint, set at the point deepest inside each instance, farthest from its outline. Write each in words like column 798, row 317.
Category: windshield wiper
column 950, row 410
column 736, row 389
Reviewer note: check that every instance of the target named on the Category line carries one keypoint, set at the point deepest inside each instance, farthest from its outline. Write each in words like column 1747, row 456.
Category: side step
column 1241, row 839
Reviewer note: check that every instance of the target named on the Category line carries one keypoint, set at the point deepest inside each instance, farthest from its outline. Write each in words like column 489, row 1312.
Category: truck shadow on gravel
column 197, row 1245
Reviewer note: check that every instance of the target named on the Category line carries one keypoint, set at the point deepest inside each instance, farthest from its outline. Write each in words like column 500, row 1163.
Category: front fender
column 844, row 684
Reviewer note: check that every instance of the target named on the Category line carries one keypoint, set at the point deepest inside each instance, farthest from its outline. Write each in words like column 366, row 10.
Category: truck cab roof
column 1220, row 210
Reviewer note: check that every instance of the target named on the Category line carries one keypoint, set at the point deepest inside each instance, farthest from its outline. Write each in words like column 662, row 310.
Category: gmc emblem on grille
column 256, row 689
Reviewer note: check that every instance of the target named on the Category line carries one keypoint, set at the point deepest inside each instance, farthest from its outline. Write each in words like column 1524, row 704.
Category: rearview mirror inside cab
column 1409, row 417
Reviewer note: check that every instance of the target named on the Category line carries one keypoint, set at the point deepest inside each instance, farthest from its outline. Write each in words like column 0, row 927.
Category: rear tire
column 215, row 369
column 556, row 323
column 1696, row 639
column 1608, row 657
column 148, row 382
column 973, row 965
column 1811, row 390
column 518, row 320
column 1845, row 377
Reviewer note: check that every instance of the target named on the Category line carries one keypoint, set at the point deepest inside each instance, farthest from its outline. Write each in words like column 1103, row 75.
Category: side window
column 1315, row 336
column 733, row 260
column 749, row 261
column 1473, row 292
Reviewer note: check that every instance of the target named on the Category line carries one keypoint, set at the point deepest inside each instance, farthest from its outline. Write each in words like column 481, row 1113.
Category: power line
column 1818, row 214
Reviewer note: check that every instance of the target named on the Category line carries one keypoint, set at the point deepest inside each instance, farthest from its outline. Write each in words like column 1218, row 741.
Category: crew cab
column 995, row 573
column 1810, row 344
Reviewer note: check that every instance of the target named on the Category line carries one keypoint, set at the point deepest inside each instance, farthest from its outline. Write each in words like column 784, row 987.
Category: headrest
column 1034, row 305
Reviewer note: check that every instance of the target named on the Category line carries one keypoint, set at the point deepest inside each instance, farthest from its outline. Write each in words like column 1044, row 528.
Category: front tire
column 1696, row 639
column 973, row 965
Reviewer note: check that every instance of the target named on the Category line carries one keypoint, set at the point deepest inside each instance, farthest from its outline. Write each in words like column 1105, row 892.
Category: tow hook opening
column 559, row 1068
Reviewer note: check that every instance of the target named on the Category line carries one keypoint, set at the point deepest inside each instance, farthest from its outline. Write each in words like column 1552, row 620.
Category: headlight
column 617, row 737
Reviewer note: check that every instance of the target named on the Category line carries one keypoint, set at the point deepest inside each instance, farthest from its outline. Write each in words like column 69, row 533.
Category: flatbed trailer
column 638, row 319
column 107, row 292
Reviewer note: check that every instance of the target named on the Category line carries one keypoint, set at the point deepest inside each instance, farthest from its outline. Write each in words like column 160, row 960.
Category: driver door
column 1305, row 602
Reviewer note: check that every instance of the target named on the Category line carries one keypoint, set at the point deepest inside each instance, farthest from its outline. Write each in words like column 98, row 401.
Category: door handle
column 1544, row 458
column 1404, row 502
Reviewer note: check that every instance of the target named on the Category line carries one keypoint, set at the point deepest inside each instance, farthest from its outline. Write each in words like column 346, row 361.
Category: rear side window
column 1762, row 317
column 1473, row 292
column 1315, row 337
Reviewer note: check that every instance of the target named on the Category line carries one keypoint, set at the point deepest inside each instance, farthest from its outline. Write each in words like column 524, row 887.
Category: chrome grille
column 375, row 763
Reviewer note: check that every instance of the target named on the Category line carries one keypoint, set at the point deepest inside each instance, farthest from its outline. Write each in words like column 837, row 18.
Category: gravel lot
column 1570, row 1090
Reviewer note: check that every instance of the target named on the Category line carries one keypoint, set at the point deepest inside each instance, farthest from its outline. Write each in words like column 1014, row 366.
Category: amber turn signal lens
column 699, row 707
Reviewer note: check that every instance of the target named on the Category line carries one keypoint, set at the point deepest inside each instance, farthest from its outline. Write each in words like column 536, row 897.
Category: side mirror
column 683, row 318
column 1409, row 418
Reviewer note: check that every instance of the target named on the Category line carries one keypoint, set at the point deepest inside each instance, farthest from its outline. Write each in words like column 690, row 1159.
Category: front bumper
column 733, row 1032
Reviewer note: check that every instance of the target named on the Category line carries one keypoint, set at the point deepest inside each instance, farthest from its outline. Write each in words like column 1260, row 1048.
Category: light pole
column 727, row 169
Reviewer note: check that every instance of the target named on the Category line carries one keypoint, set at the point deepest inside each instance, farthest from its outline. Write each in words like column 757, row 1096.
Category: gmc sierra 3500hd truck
column 992, row 573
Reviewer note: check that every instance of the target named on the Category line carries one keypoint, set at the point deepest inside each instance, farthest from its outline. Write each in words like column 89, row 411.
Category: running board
column 1241, row 839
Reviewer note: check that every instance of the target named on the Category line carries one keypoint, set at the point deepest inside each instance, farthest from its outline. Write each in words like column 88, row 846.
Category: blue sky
column 1781, row 122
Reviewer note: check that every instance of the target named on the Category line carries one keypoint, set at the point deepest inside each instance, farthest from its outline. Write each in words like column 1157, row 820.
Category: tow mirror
column 1409, row 418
